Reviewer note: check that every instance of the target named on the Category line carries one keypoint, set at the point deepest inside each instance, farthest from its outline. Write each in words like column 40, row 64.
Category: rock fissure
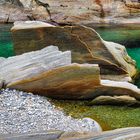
column 102, row 12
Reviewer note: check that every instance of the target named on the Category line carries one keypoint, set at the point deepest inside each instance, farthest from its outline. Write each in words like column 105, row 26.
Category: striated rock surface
column 85, row 44
column 131, row 133
column 33, row 63
column 73, row 11
column 74, row 81
column 49, row 72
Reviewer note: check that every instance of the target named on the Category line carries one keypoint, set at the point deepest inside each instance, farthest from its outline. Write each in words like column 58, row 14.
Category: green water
column 127, row 36
column 135, row 54
column 6, row 44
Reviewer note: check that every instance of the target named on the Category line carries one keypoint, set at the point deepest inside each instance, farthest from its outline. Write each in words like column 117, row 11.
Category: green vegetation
column 109, row 117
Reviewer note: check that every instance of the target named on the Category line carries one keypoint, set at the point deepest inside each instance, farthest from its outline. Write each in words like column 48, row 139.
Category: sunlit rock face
column 76, row 11
column 49, row 72
column 85, row 44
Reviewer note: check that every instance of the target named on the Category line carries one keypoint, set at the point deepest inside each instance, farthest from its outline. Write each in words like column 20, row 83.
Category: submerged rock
column 85, row 44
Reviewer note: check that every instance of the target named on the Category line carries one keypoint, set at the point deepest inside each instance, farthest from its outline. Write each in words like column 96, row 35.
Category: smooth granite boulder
column 85, row 44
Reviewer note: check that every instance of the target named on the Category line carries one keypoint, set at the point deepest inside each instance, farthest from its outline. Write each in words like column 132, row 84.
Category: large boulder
column 33, row 63
column 85, row 44
column 75, row 81
column 49, row 72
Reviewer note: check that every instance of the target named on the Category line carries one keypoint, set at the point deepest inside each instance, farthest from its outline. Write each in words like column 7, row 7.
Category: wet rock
column 85, row 44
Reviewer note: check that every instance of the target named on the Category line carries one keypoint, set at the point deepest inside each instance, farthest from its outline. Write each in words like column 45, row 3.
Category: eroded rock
column 33, row 63
column 49, row 72
column 74, row 11
column 85, row 44
column 74, row 81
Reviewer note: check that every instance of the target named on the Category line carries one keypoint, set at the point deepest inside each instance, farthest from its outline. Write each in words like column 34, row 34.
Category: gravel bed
column 22, row 112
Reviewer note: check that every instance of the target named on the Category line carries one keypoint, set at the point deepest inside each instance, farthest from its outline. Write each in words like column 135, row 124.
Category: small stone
column 36, row 114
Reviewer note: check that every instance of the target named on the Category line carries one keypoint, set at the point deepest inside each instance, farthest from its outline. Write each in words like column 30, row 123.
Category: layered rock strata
column 33, row 63
column 85, row 44
column 124, row 133
column 49, row 72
